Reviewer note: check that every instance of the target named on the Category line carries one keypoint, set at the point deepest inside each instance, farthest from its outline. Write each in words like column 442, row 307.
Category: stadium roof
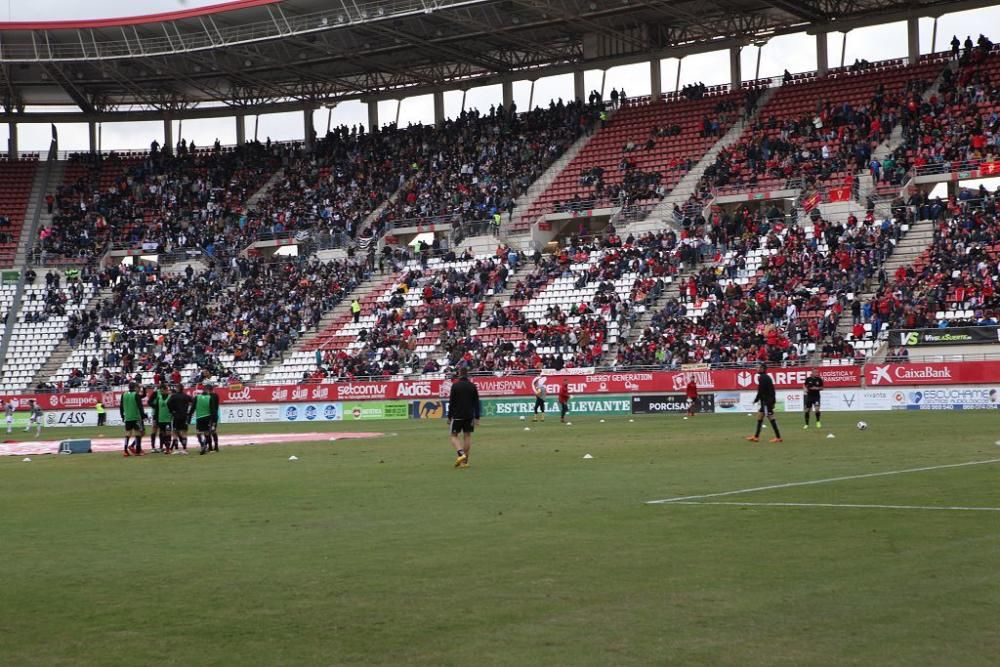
column 283, row 54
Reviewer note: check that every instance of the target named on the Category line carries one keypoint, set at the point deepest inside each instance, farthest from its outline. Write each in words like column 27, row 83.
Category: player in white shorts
column 8, row 410
column 36, row 417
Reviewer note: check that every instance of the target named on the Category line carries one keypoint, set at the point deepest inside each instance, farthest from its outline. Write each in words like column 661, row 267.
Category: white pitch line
column 821, row 481
column 844, row 505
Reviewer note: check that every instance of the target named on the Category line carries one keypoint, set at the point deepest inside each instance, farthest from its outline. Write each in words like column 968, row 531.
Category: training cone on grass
column 293, row 458
column 587, row 456
column 602, row 421
column 830, row 436
column 26, row 459
column 527, row 428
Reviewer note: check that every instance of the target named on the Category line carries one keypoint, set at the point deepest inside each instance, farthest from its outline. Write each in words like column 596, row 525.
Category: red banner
column 959, row 372
column 839, row 194
column 612, row 382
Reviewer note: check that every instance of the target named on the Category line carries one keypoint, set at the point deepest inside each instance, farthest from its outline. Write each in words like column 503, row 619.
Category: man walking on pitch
column 206, row 415
column 767, row 398
column 132, row 416
column 463, row 416
column 538, row 386
column 181, row 408
column 692, row 397
column 214, row 445
column 563, row 401
column 8, row 411
column 813, row 387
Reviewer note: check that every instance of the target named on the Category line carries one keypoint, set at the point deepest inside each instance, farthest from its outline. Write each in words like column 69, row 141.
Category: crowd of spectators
column 202, row 322
column 958, row 273
column 188, row 199
column 960, row 121
column 821, row 144
column 736, row 312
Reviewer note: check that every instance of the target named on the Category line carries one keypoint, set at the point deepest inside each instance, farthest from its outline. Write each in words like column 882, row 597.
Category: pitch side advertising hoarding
column 654, row 404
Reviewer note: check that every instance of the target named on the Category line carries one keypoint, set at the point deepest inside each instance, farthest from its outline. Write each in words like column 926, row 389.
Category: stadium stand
column 191, row 200
column 403, row 320
column 742, row 287
column 822, row 129
column 16, row 179
column 640, row 152
column 776, row 295
column 954, row 282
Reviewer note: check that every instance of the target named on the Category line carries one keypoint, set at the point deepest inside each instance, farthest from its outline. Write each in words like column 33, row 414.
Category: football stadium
column 500, row 332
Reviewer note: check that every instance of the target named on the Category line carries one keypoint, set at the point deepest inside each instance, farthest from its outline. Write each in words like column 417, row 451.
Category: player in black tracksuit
column 181, row 408
column 463, row 416
column 813, row 387
column 767, row 398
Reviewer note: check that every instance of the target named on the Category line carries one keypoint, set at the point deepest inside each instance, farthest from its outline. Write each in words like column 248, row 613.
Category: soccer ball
column 862, row 426
column 522, row 417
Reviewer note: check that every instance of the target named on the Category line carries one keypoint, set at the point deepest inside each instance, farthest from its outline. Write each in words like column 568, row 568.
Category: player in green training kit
column 132, row 416
column 161, row 418
column 206, row 415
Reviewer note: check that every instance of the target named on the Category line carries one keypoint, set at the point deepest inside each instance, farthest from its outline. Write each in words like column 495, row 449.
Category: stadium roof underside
column 286, row 54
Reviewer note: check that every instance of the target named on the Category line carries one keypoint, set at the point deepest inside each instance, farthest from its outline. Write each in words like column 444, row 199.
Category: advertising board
column 652, row 404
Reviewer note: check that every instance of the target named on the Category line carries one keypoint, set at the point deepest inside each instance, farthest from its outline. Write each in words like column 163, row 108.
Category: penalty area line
column 736, row 503
column 826, row 480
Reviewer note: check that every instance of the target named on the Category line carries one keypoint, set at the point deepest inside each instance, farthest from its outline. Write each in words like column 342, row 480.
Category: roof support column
column 241, row 129
column 92, row 135
column 508, row 94
column 655, row 79
column 578, row 90
column 735, row 71
column 439, row 107
column 822, row 54
column 309, row 132
column 168, row 135
column 373, row 115
column 913, row 40
column 12, row 141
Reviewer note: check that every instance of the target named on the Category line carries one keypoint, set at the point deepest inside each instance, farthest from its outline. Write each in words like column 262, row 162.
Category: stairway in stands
column 19, row 181
column 914, row 243
column 519, row 219
column 289, row 368
column 662, row 216
column 633, row 123
column 57, row 172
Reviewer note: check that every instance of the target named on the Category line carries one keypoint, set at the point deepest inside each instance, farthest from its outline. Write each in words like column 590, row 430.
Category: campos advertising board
column 946, row 398
column 949, row 336
column 664, row 403
column 514, row 407
column 376, row 410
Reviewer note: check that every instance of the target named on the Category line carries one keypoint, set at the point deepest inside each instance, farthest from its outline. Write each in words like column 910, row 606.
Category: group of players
column 464, row 407
column 171, row 412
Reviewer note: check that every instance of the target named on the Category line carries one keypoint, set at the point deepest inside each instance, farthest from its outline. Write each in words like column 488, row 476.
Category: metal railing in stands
column 955, row 166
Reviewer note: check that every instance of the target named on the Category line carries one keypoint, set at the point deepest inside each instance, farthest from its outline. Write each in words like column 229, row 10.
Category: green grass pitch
column 380, row 552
